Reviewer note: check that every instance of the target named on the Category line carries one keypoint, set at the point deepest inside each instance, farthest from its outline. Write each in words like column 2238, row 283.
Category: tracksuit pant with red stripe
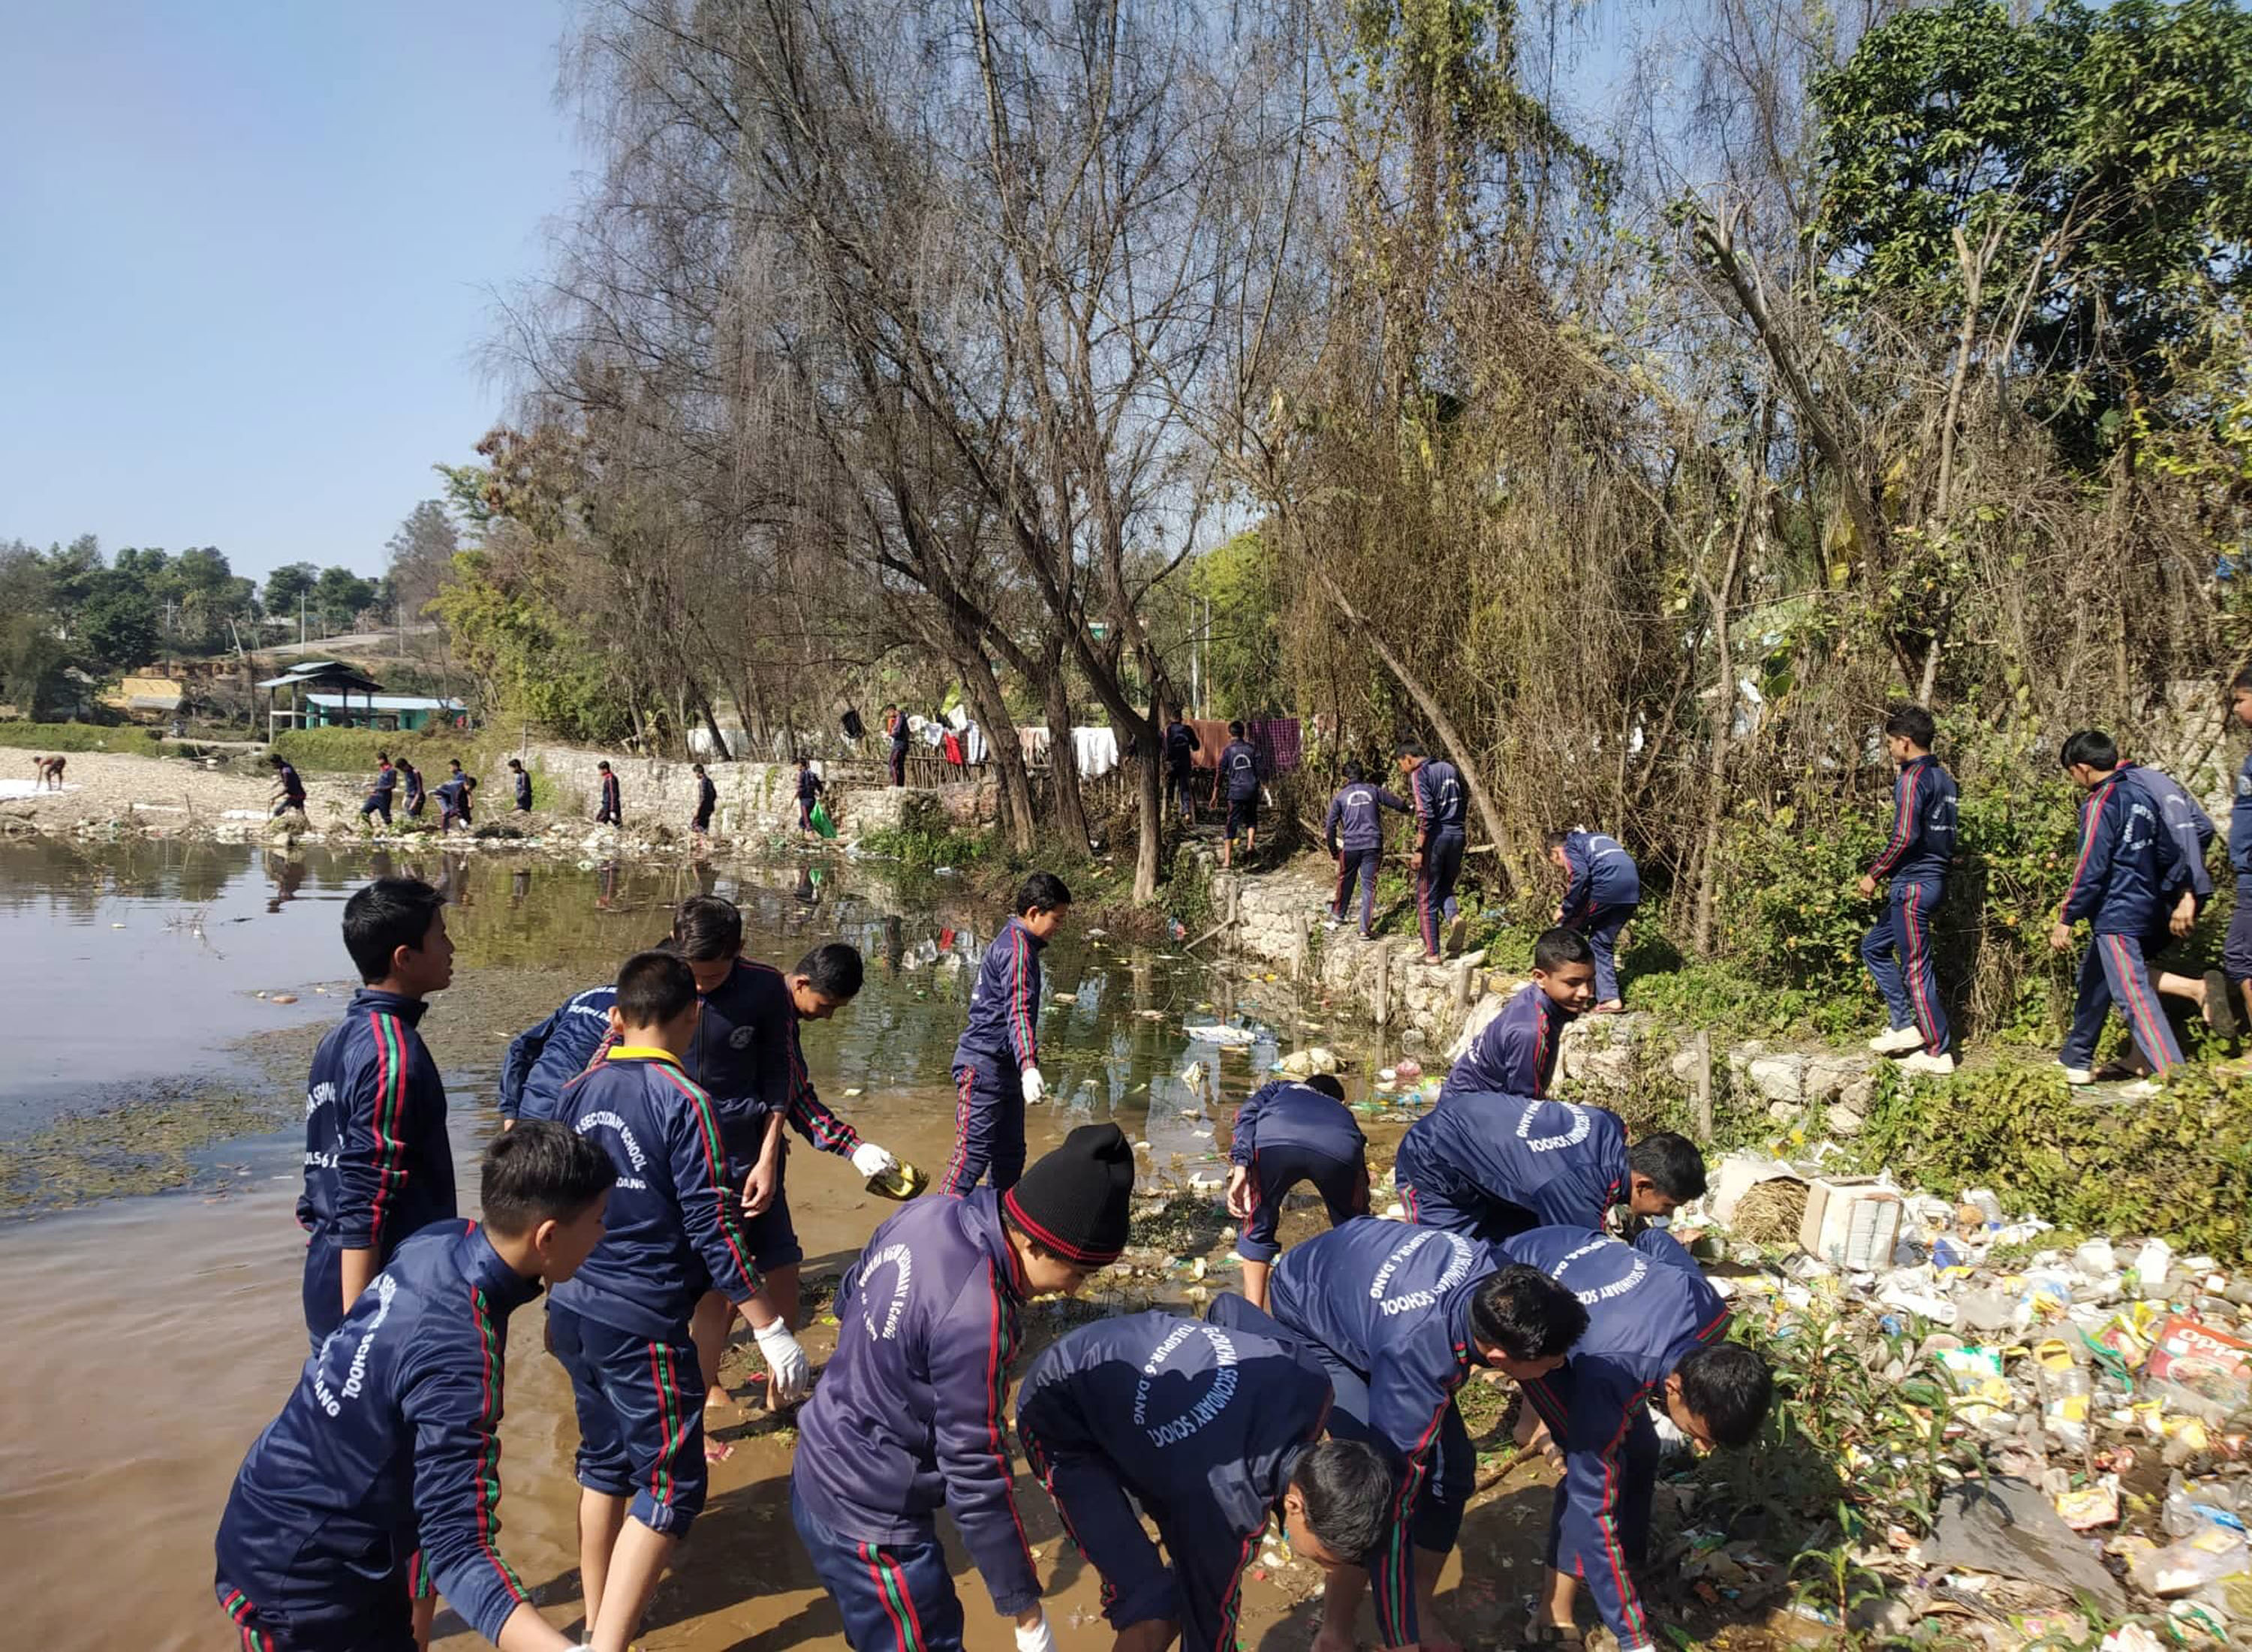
column 2113, row 971
column 1357, row 865
column 893, row 1597
column 640, row 1401
column 1898, row 953
column 1601, row 928
column 989, row 1129
column 1435, row 885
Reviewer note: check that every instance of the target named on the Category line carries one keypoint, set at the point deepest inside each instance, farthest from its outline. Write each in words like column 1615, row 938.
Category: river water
column 150, row 1336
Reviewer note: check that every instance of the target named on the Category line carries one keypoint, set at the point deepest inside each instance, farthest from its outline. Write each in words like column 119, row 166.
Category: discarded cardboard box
column 1850, row 1222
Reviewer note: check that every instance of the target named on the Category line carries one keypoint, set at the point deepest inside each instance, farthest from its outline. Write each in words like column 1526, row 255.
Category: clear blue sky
column 247, row 250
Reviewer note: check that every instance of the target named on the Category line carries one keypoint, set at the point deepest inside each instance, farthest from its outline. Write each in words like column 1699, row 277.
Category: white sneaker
column 1924, row 1061
column 1897, row 1041
column 2075, row 1075
column 1331, row 923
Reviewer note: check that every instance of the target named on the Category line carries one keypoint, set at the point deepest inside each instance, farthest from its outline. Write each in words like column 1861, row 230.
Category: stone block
column 1779, row 1078
column 1843, row 1120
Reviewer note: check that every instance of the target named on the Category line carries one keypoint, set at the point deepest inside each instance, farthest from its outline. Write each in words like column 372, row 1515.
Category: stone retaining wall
column 753, row 797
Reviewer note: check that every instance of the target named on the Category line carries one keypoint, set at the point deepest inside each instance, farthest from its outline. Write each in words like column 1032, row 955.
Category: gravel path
column 104, row 787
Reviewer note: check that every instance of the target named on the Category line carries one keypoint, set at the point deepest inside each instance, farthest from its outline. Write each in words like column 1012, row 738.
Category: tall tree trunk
column 1067, row 809
column 1717, row 600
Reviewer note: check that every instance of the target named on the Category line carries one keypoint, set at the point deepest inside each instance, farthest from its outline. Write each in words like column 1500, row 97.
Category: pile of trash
column 2105, row 1383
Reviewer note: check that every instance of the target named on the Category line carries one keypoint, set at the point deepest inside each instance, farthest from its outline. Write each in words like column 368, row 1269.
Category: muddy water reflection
column 147, row 1340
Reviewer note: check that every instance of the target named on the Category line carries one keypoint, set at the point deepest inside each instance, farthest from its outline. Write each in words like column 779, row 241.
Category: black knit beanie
column 1074, row 1201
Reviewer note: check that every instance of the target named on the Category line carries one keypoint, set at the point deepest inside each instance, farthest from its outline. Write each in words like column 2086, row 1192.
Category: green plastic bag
column 822, row 823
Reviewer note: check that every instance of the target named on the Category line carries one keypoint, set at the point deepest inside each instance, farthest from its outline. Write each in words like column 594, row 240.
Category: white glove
column 1039, row 1637
column 1034, row 1089
column 870, row 1159
column 791, row 1377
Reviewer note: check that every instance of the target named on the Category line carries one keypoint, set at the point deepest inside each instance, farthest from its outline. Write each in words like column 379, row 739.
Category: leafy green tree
column 287, row 583
column 338, row 595
column 1242, row 652
column 117, row 625
column 31, row 655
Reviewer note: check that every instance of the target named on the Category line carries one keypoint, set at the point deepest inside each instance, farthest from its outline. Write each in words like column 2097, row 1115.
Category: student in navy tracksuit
column 1208, row 1431
column 996, row 1063
column 612, row 812
column 1489, row 1166
column 808, row 792
column 1354, row 832
column 1436, row 787
column 410, row 777
column 1238, row 771
column 1181, row 746
column 620, row 1327
column 1653, row 1331
column 383, row 1469
column 2236, row 952
column 2124, row 850
column 1399, row 1316
column 290, row 790
column 1515, row 1052
column 523, row 782
column 1286, row 1133
column 1604, row 888
column 386, row 780
column 379, row 1164
column 2184, row 886
column 1915, row 857
column 895, row 727
column 911, row 1411
column 453, row 796
column 543, row 1059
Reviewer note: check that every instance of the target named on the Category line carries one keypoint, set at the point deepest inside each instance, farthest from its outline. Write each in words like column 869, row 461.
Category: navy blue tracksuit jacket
column 2239, row 822
column 1921, row 846
column 747, row 1056
column 1489, row 1166
column 2125, row 852
column 523, row 790
column 1392, row 1304
column 1200, row 1426
column 543, row 1059
column 1181, row 743
column 613, row 810
column 1286, row 1133
column 1000, row 1041
column 670, row 1233
column 379, row 1165
column 1648, row 1307
column 1515, row 1052
column 1603, row 874
column 2189, row 834
column 1355, row 821
column 1440, row 800
column 1239, row 771
column 389, row 1443
column 910, row 1415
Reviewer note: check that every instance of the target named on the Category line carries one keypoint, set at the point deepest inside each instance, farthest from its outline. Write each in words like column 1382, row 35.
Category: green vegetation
column 78, row 737
column 352, row 750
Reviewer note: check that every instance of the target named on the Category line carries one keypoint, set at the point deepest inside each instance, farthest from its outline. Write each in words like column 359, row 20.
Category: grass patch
column 50, row 738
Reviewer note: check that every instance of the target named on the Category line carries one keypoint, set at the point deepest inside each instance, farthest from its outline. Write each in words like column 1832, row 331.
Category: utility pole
column 301, row 619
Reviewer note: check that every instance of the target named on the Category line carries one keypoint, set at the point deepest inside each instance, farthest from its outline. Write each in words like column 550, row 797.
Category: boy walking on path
column 288, row 790
column 997, row 1063
column 384, row 1466
column 412, row 777
column 911, row 1412
column 1223, row 1433
column 1654, row 1329
column 1181, row 746
column 1603, row 889
column 1491, row 1166
column 613, row 812
column 379, row 1165
column 2125, row 852
column 1354, row 832
column 1286, row 1133
column 707, row 799
column 1436, row 787
column 1239, row 772
column 522, row 783
column 2185, row 885
column 379, row 799
column 620, row 1326
column 1399, row 1316
column 1915, row 857
column 1515, row 1052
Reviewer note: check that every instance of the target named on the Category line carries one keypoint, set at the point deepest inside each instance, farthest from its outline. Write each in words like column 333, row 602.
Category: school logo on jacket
column 1458, row 1269
column 356, row 1374
column 612, row 1122
column 1209, row 1405
column 896, row 1256
column 1619, row 1286
column 1581, row 1125
column 742, row 1036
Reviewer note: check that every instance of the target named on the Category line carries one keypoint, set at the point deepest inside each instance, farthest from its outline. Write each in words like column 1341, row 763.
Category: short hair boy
column 1238, row 770
column 379, row 1165
column 379, row 797
column 1653, row 1327
column 1515, row 1052
column 707, row 799
column 612, row 812
column 523, row 782
column 1915, row 857
column 1602, row 887
column 911, row 1410
column 1210, row 1432
column 996, row 1062
column 1288, row 1133
column 1353, row 830
column 1442, row 835
column 389, row 1446
column 620, row 1327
